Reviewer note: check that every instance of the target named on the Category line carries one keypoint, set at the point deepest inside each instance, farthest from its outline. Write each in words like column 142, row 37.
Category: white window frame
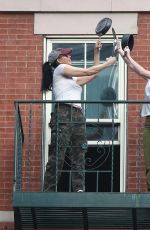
column 122, row 95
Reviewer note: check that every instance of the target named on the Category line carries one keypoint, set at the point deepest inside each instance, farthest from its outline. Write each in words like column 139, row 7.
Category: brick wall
column 20, row 77
column 136, row 85
column 6, row 226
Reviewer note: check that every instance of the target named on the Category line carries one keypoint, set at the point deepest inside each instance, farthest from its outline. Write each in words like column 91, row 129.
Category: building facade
column 28, row 32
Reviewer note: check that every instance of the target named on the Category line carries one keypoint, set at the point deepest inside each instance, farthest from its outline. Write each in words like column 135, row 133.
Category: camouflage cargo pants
column 68, row 129
column 147, row 150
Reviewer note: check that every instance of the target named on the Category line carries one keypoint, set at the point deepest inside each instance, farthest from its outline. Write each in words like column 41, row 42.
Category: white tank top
column 65, row 88
column 146, row 107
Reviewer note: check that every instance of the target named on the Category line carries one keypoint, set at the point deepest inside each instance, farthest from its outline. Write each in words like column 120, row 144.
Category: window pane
column 100, row 167
column 90, row 52
column 99, row 170
column 101, row 132
column 106, row 51
column 104, row 87
column 77, row 52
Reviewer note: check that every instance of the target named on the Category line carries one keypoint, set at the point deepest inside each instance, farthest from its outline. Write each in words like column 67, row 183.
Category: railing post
column 112, row 149
column 29, row 148
column 18, row 151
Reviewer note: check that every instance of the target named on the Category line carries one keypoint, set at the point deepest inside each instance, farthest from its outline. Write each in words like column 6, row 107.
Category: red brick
column 21, row 57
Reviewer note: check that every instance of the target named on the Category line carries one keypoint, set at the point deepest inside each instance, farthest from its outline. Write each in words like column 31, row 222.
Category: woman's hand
column 98, row 45
column 111, row 60
column 126, row 51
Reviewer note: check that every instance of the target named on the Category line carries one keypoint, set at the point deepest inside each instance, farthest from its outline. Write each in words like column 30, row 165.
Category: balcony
column 109, row 201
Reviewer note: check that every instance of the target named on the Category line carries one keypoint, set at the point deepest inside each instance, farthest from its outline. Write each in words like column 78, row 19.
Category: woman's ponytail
column 47, row 77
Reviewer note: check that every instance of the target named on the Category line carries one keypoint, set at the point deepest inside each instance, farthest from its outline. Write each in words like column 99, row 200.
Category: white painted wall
column 83, row 23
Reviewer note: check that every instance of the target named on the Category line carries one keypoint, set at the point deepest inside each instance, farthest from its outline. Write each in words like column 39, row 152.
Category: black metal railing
column 105, row 121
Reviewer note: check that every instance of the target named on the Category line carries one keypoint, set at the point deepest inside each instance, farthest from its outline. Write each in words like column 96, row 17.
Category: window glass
column 77, row 55
column 99, row 170
column 106, row 51
column 104, row 87
column 101, row 132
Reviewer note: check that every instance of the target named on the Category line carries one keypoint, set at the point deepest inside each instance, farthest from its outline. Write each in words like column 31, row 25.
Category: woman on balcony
column 68, row 127
column 146, row 107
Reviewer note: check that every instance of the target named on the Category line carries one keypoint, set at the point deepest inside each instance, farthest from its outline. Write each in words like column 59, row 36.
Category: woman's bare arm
column 133, row 64
column 85, row 79
column 86, row 75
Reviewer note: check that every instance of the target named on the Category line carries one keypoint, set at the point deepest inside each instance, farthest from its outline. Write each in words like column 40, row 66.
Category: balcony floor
column 36, row 210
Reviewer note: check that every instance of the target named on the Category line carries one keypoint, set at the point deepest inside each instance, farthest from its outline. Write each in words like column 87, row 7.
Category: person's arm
column 71, row 71
column 133, row 64
column 85, row 79
column 90, row 73
column 97, row 49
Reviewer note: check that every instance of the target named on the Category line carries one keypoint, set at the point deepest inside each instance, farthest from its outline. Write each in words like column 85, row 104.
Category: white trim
column 6, row 216
column 117, row 121
column 46, row 112
column 75, row 5
column 122, row 84
column 82, row 23
column 103, row 143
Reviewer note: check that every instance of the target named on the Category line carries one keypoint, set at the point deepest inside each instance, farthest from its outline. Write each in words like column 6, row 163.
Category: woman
column 146, row 107
column 68, row 122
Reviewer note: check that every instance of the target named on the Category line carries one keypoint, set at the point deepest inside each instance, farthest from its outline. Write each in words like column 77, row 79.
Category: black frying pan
column 127, row 40
column 103, row 26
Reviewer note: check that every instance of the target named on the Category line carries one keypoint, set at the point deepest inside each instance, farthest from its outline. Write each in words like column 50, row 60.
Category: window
column 105, row 122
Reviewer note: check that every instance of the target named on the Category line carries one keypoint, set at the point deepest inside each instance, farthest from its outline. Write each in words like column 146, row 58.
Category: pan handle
column 114, row 34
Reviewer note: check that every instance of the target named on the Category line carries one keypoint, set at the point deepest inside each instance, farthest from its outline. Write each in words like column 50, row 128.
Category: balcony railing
column 104, row 134
column 114, row 169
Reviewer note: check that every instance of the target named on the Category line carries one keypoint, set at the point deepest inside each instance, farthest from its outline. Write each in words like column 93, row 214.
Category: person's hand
column 119, row 49
column 98, row 44
column 116, row 46
column 126, row 51
column 111, row 60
